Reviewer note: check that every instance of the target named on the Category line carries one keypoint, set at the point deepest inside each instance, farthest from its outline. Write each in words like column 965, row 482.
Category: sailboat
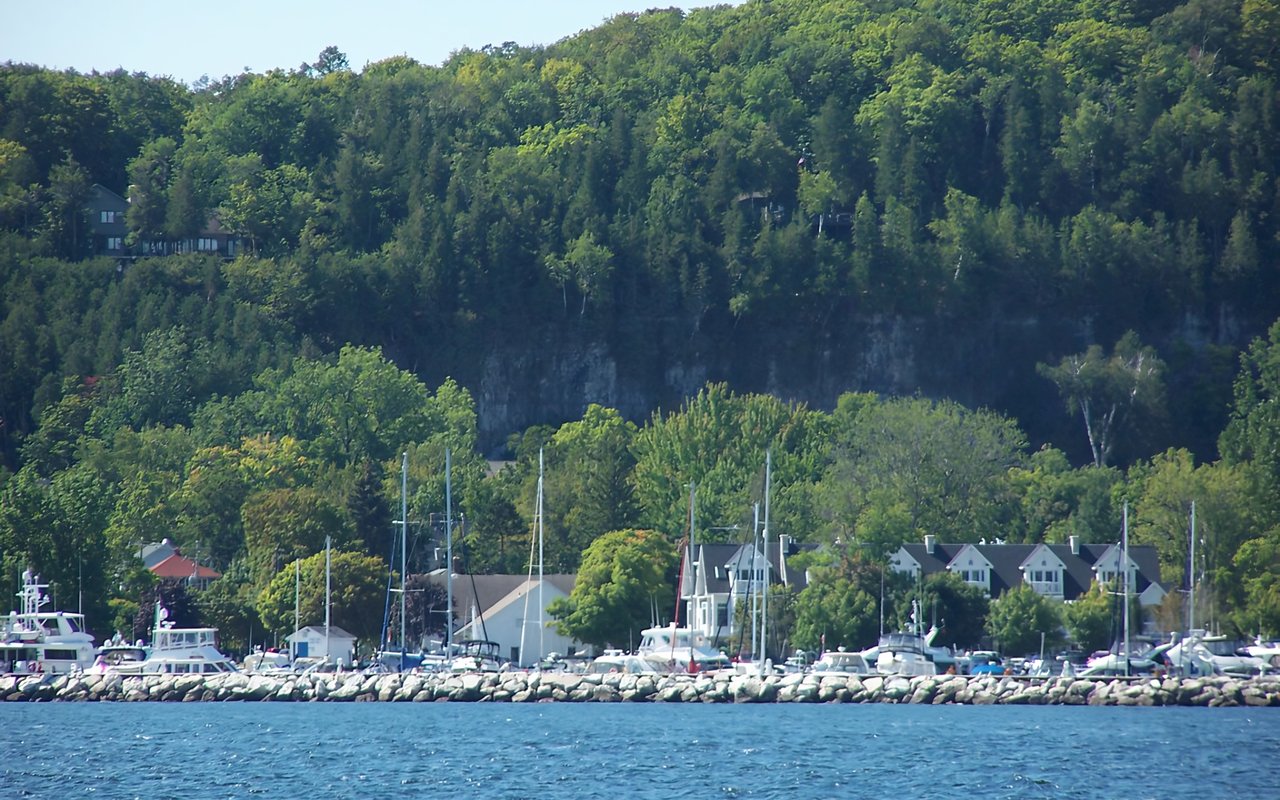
column 1122, row 662
column 524, row 660
column 396, row 657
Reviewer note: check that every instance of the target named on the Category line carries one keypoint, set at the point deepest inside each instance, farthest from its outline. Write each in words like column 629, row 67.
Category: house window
column 1045, row 581
column 115, row 243
column 108, row 217
column 722, row 615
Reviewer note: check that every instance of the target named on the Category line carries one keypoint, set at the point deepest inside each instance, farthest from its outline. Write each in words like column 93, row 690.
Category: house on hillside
column 505, row 609
column 1060, row 571
column 164, row 560
column 716, row 579
column 108, row 232
column 106, row 221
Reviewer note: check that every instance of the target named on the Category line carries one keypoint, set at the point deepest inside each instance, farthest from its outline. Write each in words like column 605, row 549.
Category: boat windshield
column 902, row 641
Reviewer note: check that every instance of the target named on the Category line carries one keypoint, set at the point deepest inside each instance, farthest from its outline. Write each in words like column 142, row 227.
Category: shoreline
column 521, row 687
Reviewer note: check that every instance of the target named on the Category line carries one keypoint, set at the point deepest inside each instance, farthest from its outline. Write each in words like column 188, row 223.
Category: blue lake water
column 199, row 750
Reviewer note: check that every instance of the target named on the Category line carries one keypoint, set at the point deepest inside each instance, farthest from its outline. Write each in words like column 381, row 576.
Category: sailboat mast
column 537, row 530
column 764, row 600
column 541, row 625
column 297, row 592
column 751, row 585
column 404, row 541
column 448, row 553
column 691, row 553
column 1191, row 595
column 328, row 544
column 1124, row 554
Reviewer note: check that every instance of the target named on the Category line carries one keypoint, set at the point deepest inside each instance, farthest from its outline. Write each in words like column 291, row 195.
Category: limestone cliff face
column 554, row 374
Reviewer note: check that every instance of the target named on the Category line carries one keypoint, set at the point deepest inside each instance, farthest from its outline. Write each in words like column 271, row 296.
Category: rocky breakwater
column 721, row 687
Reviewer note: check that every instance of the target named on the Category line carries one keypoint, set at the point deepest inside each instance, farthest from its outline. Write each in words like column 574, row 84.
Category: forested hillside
column 800, row 198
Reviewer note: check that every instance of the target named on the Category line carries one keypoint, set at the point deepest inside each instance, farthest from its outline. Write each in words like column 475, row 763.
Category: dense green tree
column 905, row 468
column 1253, row 431
column 1019, row 618
column 362, row 406
column 283, row 525
column 1090, row 620
column 357, row 591
column 718, row 441
column 1109, row 392
column 1059, row 502
column 960, row 610
column 835, row 610
column 586, row 490
column 623, row 575
column 149, row 178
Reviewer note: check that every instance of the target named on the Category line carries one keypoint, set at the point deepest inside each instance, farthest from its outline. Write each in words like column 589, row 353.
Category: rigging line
column 537, row 511
column 386, row 610
column 475, row 597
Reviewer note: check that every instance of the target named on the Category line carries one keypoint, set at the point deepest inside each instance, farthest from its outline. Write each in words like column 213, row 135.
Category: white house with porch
column 716, row 579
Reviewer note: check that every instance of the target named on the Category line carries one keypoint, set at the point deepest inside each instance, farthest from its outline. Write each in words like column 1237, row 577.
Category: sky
column 186, row 40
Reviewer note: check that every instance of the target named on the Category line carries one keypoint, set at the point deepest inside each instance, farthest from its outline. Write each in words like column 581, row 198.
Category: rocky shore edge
column 521, row 687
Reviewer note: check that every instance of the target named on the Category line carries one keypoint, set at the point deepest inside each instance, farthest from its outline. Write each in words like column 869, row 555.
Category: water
column 208, row 750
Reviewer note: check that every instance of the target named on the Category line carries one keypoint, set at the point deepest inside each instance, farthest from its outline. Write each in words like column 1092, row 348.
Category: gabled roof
column 486, row 591
column 1007, row 560
column 714, row 557
column 318, row 630
column 179, row 566
column 102, row 197
column 719, row 560
column 937, row 561
column 156, row 552
column 521, row 590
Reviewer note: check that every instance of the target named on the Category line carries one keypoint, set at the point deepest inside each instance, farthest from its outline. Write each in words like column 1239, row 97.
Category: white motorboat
column 177, row 651
column 841, row 662
column 904, row 653
column 616, row 661
column 1269, row 652
column 125, row 659
column 674, row 649
column 477, row 655
column 50, row 642
column 174, row 651
column 268, row 662
column 1200, row 653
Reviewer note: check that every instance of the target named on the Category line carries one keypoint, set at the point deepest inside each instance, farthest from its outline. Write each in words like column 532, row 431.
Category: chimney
column 930, row 541
column 1075, row 545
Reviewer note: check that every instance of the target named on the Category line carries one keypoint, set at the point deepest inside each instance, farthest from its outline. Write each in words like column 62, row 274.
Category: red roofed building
column 179, row 567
